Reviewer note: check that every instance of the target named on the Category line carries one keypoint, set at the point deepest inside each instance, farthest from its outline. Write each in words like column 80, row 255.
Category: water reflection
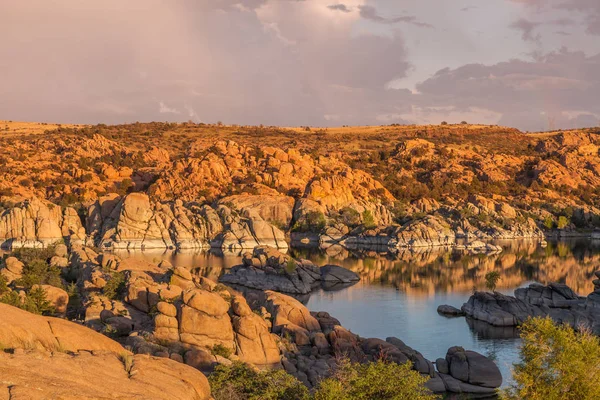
column 431, row 271
column 428, row 271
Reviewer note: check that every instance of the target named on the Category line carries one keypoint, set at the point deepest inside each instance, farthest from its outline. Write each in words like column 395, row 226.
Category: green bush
column 313, row 221
column 562, row 222
column 548, row 223
column 240, row 382
column 3, row 285
column 35, row 301
column 375, row 380
column 368, row 219
column 557, row 363
column 36, row 269
column 290, row 266
column 115, row 286
column 220, row 350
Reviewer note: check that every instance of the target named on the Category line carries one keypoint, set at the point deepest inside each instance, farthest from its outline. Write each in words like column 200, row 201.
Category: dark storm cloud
column 559, row 87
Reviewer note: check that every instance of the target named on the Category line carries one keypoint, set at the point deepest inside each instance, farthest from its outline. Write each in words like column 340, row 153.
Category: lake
column 399, row 293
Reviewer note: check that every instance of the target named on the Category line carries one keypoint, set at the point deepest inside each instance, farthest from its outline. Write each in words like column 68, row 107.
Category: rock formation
column 268, row 269
column 556, row 301
column 43, row 358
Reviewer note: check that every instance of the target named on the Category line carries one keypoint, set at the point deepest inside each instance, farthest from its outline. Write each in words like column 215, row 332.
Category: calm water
column 399, row 293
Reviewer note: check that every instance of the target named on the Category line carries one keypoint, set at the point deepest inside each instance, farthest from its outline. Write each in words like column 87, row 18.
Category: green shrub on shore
column 375, row 380
column 240, row 382
column 557, row 363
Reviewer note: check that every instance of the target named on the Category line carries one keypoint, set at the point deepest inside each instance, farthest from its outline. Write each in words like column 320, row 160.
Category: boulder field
column 172, row 319
column 238, row 197
column 242, row 222
column 172, row 312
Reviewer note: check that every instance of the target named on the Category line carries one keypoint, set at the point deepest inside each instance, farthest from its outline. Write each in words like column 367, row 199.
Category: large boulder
column 34, row 375
column 20, row 329
column 205, row 321
column 498, row 309
column 254, row 342
column 473, row 368
column 425, row 232
column 58, row 298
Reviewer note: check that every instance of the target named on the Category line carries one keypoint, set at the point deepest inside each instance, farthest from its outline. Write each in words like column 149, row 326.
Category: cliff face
column 170, row 185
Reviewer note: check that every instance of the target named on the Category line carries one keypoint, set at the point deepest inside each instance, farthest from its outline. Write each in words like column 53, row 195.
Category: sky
column 531, row 64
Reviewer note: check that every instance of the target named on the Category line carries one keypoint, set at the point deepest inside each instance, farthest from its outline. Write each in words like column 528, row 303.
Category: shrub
column 444, row 123
column 115, row 286
column 375, row 380
column 368, row 219
column 557, row 363
column 3, row 285
column 220, row 350
column 548, row 222
column 36, row 269
column 314, row 221
column 240, row 382
column 562, row 222
column 290, row 266
column 35, row 301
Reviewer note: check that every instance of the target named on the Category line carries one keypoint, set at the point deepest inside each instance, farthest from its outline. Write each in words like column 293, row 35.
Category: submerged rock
column 450, row 311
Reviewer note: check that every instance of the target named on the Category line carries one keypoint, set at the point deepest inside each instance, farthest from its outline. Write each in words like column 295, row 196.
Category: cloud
column 163, row 109
column 525, row 93
column 273, row 62
column 590, row 10
column 370, row 13
column 290, row 62
column 339, row 7
column 526, row 28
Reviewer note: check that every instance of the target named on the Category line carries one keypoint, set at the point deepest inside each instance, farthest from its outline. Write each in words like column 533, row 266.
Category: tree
column 557, row 363
column 548, row 222
column 444, row 123
column 491, row 280
column 375, row 380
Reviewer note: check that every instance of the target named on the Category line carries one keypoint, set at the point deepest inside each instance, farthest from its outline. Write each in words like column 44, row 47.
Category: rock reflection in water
column 427, row 271
column 434, row 270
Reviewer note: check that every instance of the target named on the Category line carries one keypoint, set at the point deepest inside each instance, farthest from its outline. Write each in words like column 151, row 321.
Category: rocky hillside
column 187, row 185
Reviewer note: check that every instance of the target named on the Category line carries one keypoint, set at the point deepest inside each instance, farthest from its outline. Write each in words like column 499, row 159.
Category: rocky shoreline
column 171, row 313
column 556, row 301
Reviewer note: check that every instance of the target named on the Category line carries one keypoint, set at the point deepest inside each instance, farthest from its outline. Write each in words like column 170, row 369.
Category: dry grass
column 16, row 128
